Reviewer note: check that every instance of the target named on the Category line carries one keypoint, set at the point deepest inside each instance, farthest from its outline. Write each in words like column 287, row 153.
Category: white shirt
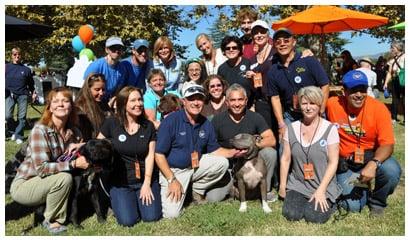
column 371, row 79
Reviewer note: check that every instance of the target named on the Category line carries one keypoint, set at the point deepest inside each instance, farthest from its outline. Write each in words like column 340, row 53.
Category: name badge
column 137, row 170
column 359, row 155
column 257, row 80
column 295, row 102
column 194, row 159
column 308, row 172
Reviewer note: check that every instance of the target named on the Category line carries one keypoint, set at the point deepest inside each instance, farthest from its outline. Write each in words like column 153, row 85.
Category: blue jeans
column 128, row 208
column 355, row 198
column 21, row 101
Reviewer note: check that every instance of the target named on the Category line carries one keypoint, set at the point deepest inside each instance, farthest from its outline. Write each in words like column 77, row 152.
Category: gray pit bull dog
column 250, row 170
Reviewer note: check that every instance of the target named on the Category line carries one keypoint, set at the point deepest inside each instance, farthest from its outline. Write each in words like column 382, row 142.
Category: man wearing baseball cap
column 117, row 74
column 366, row 146
column 140, row 62
column 187, row 152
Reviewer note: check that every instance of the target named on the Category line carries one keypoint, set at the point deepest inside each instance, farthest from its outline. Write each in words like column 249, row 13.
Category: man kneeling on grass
column 366, row 146
column 187, row 152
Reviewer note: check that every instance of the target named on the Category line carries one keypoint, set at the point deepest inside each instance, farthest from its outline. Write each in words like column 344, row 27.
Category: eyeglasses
column 280, row 41
column 215, row 85
column 196, row 70
column 233, row 48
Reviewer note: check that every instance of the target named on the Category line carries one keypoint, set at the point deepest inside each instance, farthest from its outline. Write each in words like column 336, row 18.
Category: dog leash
column 102, row 186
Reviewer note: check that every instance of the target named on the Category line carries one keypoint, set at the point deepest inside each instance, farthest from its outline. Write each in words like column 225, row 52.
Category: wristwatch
column 378, row 163
column 171, row 179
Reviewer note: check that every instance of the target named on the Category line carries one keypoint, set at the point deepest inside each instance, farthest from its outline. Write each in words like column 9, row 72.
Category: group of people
column 254, row 84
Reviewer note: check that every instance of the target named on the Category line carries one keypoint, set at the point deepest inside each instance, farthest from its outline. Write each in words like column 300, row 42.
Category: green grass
column 225, row 219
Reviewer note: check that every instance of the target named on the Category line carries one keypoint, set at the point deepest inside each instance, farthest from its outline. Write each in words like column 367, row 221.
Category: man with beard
column 366, row 146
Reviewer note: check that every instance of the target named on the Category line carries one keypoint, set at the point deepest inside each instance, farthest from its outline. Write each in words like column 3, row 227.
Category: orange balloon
column 86, row 33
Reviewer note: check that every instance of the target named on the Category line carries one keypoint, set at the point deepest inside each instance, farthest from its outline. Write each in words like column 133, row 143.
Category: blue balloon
column 77, row 44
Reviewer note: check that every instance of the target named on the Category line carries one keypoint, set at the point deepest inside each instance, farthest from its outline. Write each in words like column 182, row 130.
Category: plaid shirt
column 45, row 146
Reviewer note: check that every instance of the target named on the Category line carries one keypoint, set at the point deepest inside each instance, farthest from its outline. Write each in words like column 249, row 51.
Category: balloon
column 77, row 44
column 86, row 33
column 92, row 28
column 87, row 52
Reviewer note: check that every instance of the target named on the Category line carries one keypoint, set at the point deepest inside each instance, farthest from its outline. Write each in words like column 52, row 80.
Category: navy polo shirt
column 177, row 138
column 302, row 72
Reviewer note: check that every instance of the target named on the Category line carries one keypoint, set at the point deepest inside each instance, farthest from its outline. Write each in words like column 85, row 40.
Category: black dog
column 13, row 164
column 88, row 182
column 250, row 170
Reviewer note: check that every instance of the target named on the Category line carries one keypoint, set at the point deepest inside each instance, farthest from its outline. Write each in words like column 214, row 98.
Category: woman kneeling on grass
column 135, row 193
column 41, row 178
column 312, row 144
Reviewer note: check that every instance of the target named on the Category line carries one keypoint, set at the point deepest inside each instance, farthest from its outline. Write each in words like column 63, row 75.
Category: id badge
column 194, row 159
column 137, row 170
column 359, row 155
column 257, row 80
column 308, row 172
column 295, row 102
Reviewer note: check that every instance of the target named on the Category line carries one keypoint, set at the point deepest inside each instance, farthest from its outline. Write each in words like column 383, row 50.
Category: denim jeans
column 355, row 198
column 128, row 208
column 21, row 101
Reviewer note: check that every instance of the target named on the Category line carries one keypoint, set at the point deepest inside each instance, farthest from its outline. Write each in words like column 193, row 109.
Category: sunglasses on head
column 194, row 89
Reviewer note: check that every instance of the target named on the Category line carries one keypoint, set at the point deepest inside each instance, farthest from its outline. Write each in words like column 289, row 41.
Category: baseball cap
column 140, row 43
column 260, row 23
column 113, row 40
column 354, row 78
column 282, row 30
column 192, row 89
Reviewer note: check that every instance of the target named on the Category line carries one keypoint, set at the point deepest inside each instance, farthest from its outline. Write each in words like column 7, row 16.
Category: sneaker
column 54, row 230
column 198, row 198
column 13, row 137
column 271, row 196
column 376, row 212
column 19, row 141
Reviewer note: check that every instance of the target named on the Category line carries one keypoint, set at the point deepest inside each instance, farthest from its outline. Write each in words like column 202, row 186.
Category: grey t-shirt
column 319, row 157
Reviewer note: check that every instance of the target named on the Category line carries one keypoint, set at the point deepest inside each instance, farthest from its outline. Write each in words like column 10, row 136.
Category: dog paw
column 243, row 207
column 266, row 208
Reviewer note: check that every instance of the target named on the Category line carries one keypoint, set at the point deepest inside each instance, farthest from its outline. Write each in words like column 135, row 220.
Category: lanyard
column 311, row 140
column 359, row 134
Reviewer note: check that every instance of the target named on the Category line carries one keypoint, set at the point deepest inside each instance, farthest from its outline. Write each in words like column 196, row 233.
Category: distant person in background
column 195, row 72
column 212, row 57
column 396, row 64
column 246, row 16
column 348, row 64
column 19, row 88
column 215, row 87
column 166, row 60
column 366, row 67
column 117, row 74
column 381, row 71
column 140, row 62
column 91, row 109
column 156, row 83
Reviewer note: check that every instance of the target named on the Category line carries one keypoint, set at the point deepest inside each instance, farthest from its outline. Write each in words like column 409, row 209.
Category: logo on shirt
column 242, row 67
column 356, row 130
column 298, row 79
column 253, row 66
column 122, row 138
column 300, row 70
column 201, row 134
column 182, row 133
column 323, row 142
column 142, row 136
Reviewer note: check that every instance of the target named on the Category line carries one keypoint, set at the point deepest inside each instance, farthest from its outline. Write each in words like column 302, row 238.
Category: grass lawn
column 225, row 219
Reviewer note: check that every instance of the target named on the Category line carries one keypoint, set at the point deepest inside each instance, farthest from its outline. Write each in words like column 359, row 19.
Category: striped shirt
column 45, row 146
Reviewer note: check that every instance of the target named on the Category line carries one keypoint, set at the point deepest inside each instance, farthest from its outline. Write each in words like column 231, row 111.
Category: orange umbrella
column 329, row 19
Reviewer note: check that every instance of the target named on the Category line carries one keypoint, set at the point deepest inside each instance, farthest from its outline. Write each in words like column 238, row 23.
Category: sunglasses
column 233, row 48
column 361, row 89
column 257, row 30
column 141, row 50
column 116, row 48
column 215, row 85
column 16, row 54
column 280, row 41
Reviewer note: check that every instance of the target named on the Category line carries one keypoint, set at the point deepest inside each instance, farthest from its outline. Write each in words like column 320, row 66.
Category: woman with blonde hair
column 166, row 60
column 311, row 144
column 41, row 179
column 212, row 57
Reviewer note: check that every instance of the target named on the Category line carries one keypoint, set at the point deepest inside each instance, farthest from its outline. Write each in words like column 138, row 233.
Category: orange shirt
column 372, row 123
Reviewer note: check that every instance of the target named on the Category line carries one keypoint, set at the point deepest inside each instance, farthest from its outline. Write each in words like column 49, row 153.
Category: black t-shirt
column 226, row 128
column 128, row 149
column 236, row 74
column 264, row 69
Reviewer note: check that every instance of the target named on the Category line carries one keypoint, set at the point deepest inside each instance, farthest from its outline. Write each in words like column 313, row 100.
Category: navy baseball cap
column 354, row 79
column 282, row 30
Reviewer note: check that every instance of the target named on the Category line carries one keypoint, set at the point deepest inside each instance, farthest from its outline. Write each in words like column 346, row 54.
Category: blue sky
column 360, row 46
